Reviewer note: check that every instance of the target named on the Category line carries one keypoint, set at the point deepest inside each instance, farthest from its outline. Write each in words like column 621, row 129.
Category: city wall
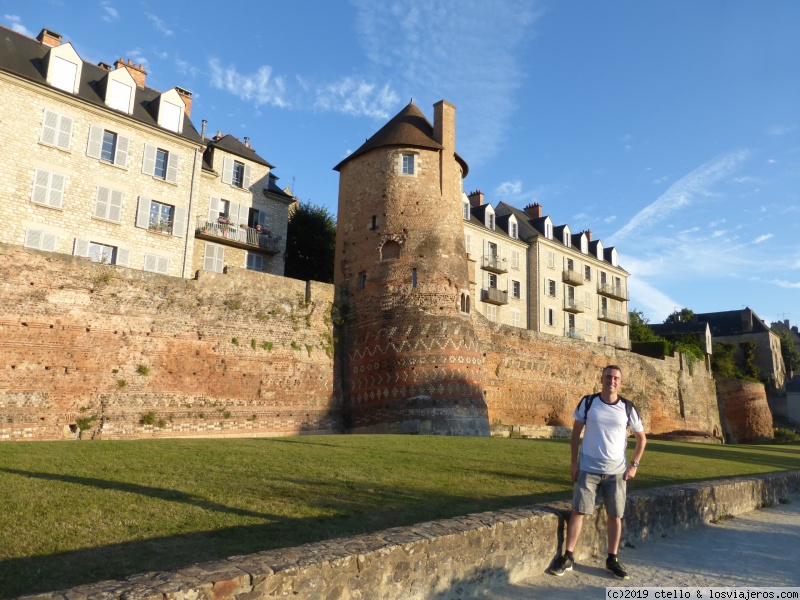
column 120, row 353
column 99, row 351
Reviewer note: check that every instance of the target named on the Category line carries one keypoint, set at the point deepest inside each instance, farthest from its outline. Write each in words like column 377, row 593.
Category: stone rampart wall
column 533, row 382
column 745, row 413
column 131, row 354
column 443, row 559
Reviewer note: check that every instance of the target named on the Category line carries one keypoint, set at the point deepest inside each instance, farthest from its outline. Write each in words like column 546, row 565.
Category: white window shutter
column 213, row 209
column 233, row 213
column 149, row 160
column 150, row 262
column 210, row 258
column 247, row 173
column 33, row 238
column 123, row 257
column 220, row 265
column 162, row 265
column 49, row 127
column 227, row 169
column 179, row 222
column 121, row 154
column 143, row 213
column 65, row 133
column 80, row 247
column 57, row 182
column 101, row 202
column 95, row 145
column 41, row 181
column 115, row 206
column 173, row 160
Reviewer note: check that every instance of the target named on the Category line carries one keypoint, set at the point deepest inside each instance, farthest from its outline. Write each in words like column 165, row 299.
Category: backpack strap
column 587, row 404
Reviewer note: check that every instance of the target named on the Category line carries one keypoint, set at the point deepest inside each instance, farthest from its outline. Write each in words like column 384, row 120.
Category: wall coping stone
column 444, row 558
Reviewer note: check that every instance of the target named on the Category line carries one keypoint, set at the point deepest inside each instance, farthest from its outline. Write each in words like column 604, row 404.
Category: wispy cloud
column 786, row 284
column 16, row 24
column 781, row 129
column 138, row 57
column 450, row 49
column 186, row 68
column 762, row 238
column 355, row 96
column 509, row 189
column 655, row 304
column 111, row 14
column 159, row 24
column 682, row 193
column 260, row 87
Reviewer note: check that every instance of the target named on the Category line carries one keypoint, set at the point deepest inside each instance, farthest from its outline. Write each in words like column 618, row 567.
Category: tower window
column 362, row 280
column 408, row 164
column 413, row 278
column 373, row 224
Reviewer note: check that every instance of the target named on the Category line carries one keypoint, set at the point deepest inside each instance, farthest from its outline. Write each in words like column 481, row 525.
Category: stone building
column 412, row 360
column 104, row 167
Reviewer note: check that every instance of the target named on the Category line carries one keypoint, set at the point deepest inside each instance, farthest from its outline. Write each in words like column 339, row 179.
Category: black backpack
column 588, row 404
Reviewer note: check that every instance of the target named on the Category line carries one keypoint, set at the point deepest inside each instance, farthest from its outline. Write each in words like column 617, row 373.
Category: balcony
column 617, row 342
column 495, row 264
column 494, row 296
column 572, row 305
column 246, row 238
column 573, row 333
column 612, row 316
column 611, row 290
column 573, row 277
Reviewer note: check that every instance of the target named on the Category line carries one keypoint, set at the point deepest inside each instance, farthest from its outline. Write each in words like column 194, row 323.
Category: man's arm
column 575, row 442
column 641, row 442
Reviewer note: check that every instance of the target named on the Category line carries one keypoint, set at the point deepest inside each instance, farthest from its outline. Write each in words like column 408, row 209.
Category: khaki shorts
column 613, row 488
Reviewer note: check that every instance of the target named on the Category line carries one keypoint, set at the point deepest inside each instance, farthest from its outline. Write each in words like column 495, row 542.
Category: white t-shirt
column 605, row 438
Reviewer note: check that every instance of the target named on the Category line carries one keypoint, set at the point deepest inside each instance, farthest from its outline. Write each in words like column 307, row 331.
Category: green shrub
column 227, row 414
column 85, row 423
column 266, row 345
column 143, row 370
column 656, row 349
column 295, row 345
column 309, row 348
column 233, row 304
column 253, row 343
column 121, row 383
column 235, row 341
column 148, row 418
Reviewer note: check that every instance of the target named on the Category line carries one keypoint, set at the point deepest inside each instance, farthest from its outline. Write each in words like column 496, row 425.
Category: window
column 468, row 242
column 40, row 240
column 214, row 258
column 516, row 289
column 464, row 307
column 466, row 211
column 551, row 260
column 602, row 277
column 217, row 207
column 119, row 96
column 256, row 217
column 513, row 230
column 587, row 273
column 108, row 204
column 549, row 317
column 571, row 326
column 235, row 173
column 492, row 280
column 408, row 164
column 101, row 253
column 48, row 188
column 515, row 317
column 63, row 74
column 515, row 259
column 169, row 116
column 108, row 146
column 490, row 220
column 491, row 312
column 56, row 130
column 255, row 262
column 587, row 299
column 551, row 288
column 362, row 280
column 373, row 224
column 156, row 264
column 548, row 230
column 160, row 163
column 413, row 278
column 570, row 265
column 162, row 217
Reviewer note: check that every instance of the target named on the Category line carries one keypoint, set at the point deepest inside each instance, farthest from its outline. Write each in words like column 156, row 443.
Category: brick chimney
column 137, row 71
column 589, row 234
column 534, row 211
column 476, row 198
column 49, row 38
column 186, row 96
column 104, row 66
column 747, row 320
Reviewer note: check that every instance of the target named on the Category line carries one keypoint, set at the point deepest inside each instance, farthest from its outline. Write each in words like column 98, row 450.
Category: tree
column 310, row 243
column 791, row 355
column 639, row 331
column 683, row 315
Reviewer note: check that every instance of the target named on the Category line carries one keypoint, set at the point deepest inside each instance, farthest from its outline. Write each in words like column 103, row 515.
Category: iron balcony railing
column 573, row 333
column 613, row 316
column 572, row 305
column 573, row 277
column 247, row 236
column 494, row 263
column 617, row 342
column 609, row 289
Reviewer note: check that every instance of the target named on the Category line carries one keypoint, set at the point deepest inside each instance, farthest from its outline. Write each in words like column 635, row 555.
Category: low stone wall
column 442, row 559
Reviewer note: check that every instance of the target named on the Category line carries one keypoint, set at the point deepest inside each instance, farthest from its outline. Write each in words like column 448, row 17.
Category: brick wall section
column 746, row 416
column 73, row 334
column 534, row 382
column 444, row 559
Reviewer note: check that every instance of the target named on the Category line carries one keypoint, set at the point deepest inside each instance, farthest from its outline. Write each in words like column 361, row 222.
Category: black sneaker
column 613, row 565
column 561, row 566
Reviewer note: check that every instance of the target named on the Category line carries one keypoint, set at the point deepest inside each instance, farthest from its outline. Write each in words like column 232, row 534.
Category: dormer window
column 548, row 230
column 584, row 245
column 63, row 68
column 599, row 250
column 168, row 110
column 488, row 217
column 119, row 90
column 466, row 211
column 513, row 229
column 490, row 221
column 567, row 237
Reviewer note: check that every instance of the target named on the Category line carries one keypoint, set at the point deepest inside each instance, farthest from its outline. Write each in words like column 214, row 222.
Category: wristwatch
column 635, row 463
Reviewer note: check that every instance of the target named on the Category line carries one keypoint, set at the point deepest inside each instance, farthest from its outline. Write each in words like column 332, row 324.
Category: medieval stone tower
column 411, row 362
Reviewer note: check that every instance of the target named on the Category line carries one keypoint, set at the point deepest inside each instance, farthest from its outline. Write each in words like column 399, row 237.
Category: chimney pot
column 476, row 198
column 534, row 211
column 186, row 96
column 49, row 38
column 136, row 71
column 589, row 234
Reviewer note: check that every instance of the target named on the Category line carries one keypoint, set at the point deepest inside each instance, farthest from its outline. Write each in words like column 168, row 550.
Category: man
column 602, row 465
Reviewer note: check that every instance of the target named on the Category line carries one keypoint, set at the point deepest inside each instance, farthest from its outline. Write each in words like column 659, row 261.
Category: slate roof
column 232, row 145
column 525, row 230
column 22, row 56
column 667, row 329
column 410, row 129
column 730, row 322
column 274, row 188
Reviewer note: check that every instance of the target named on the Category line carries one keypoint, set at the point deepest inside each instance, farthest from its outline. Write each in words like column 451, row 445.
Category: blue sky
column 671, row 129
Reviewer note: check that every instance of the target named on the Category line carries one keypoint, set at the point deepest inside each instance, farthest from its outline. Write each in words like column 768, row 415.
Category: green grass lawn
column 79, row 512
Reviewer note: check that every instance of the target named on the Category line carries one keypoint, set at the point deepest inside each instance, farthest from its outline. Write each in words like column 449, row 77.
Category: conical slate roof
column 409, row 128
